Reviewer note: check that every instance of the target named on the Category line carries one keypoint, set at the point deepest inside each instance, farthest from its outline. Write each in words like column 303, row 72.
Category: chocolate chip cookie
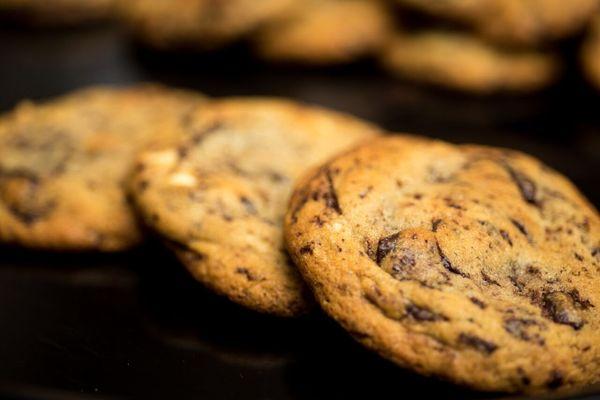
column 590, row 54
column 57, row 12
column 64, row 164
column 467, row 63
column 219, row 195
column 529, row 22
column 473, row 264
column 201, row 24
column 325, row 32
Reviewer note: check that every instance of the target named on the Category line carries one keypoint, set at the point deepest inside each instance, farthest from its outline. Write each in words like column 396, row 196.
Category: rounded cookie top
column 530, row 22
column 197, row 23
column 218, row 197
column 474, row 264
column 63, row 164
column 465, row 62
column 325, row 32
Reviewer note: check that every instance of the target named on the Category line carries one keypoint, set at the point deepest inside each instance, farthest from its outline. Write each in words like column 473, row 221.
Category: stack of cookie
column 473, row 264
column 485, row 45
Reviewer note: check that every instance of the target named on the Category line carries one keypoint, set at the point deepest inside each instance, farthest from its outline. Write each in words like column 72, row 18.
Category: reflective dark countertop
column 135, row 325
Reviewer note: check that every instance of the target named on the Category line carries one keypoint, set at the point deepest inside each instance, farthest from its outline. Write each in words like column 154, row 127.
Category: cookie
column 590, row 53
column 529, row 22
column 467, row 63
column 64, row 164
column 325, row 32
column 218, row 197
column 57, row 12
column 201, row 24
column 473, row 264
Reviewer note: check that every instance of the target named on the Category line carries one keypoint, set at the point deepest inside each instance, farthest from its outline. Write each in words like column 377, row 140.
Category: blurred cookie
column 199, row 24
column 473, row 264
column 325, row 32
column 591, row 53
column 466, row 63
column 219, row 196
column 56, row 12
column 524, row 22
column 64, row 163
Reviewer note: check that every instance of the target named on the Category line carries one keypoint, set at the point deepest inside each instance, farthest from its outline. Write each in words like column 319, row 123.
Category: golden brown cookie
column 473, row 264
column 524, row 22
column 326, row 32
column 57, row 12
column 464, row 62
column 218, row 197
column 196, row 23
column 590, row 54
column 63, row 164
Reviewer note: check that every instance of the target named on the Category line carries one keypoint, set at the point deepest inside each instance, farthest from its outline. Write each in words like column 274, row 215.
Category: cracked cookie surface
column 64, row 162
column 218, row 196
column 477, row 265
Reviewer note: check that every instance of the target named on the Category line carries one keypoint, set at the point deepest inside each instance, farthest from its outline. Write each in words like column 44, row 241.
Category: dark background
column 136, row 325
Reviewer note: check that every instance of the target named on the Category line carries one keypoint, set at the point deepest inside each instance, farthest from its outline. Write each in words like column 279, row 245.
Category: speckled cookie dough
column 326, row 32
column 64, row 163
column 464, row 62
column 473, row 264
column 218, row 197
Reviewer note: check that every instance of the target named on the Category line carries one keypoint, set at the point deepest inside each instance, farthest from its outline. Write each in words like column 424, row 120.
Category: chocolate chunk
column 559, row 307
column 435, row 223
column 317, row 220
column 452, row 204
column 385, row 245
column 248, row 205
column 578, row 256
column 19, row 191
column 520, row 328
column 365, row 192
column 526, row 186
column 303, row 199
column 276, row 177
column 520, row 227
column 477, row 343
column 596, row 252
column 423, row 314
column 143, row 185
column 488, row 279
column 478, row 302
column 446, row 262
column 402, row 263
column 556, row 380
column 525, row 380
column 244, row 271
column 506, row 237
column 331, row 199
column 306, row 249
column 579, row 301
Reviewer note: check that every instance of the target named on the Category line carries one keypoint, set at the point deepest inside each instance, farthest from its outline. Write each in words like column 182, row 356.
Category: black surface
column 136, row 325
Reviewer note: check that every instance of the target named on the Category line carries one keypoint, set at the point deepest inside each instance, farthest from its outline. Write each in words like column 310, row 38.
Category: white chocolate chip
column 165, row 157
column 183, row 179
